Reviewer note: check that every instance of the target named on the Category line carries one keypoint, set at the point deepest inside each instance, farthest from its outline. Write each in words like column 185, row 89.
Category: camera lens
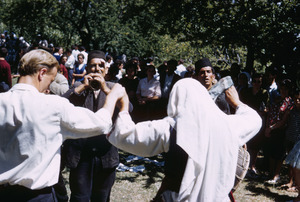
column 94, row 84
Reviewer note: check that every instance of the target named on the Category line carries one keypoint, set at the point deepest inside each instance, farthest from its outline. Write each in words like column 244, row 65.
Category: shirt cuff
column 240, row 107
column 104, row 112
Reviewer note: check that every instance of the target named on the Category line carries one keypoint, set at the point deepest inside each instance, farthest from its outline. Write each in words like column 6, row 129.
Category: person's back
column 38, row 143
column 33, row 127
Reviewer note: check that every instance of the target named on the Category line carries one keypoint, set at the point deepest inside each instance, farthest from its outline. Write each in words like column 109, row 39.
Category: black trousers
column 16, row 193
column 89, row 181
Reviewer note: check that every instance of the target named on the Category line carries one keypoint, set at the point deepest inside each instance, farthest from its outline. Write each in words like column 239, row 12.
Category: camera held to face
column 95, row 84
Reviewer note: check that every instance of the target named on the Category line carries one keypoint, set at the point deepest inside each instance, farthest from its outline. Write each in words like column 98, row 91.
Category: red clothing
column 5, row 73
column 277, row 110
column 64, row 70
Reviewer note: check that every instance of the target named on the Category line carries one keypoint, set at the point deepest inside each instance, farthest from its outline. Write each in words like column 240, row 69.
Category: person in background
column 74, row 51
column 130, row 82
column 161, row 69
column 2, row 40
column 235, row 70
column 205, row 74
column 272, row 87
column 275, row 130
column 148, row 94
column 79, row 70
column 59, row 86
column 85, row 54
column 112, row 73
column 167, row 80
column 293, row 159
column 34, row 126
column 70, row 63
column 142, row 69
column 180, row 69
column 121, row 70
column 244, row 81
column 109, row 61
column 5, row 72
column 189, row 71
column 92, row 161
column 63, row 69
column 200, row 140
column 258, row 99
column 58, row 53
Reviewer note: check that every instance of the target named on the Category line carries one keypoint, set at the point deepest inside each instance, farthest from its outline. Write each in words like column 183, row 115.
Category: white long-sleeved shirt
column 149, row 88
column 33, row 127
column 75, row 53
column 85, row 54
column 180, row 70
column 70, row 62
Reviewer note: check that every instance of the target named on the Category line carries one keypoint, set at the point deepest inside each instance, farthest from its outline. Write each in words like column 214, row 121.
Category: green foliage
column 252, row 33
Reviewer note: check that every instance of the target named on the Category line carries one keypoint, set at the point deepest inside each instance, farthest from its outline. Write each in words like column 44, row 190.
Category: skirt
column 293, row 158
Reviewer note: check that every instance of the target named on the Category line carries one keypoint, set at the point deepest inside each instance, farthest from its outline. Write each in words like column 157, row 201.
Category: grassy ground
column 142, row 186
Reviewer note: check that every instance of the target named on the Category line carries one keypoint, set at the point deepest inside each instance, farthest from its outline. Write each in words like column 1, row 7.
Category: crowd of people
column 145, row 110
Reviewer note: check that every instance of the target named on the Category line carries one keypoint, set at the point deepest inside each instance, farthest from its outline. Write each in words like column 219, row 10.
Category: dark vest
column 92, row 146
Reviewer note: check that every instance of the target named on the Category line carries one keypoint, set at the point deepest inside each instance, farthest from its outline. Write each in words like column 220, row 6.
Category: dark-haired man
column 167, row 80
column 92, row 161
column 205, row 74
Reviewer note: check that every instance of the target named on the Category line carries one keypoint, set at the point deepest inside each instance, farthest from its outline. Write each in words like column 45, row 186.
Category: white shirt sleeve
column 79, row 122
column 158, row 89
column 246, row 123
column 70, row 62
column 147, row 138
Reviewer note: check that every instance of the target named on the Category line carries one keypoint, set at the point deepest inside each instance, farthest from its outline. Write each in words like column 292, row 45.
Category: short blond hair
column 35, row 60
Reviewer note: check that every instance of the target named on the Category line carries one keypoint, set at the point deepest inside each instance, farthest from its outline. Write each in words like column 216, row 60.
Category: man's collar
column 24, row 86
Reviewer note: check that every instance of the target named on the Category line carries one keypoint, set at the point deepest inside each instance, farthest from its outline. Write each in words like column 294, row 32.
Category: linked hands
column 95, row 81
column 117, row 95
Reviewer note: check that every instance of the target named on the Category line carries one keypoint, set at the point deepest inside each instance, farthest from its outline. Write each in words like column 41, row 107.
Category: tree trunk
column 250, row 58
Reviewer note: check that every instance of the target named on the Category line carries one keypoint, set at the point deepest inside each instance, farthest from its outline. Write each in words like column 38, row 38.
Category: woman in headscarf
column 200, row 140
column 244, row 81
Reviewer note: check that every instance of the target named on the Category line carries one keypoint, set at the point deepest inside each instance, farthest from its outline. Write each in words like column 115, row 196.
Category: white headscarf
column 209, row 138
column 194, row 110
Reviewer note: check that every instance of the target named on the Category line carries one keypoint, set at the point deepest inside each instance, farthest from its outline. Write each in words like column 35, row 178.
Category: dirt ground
column 142, row 186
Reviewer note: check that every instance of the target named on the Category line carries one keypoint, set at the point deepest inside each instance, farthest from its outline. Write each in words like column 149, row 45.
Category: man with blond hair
column 34, row 125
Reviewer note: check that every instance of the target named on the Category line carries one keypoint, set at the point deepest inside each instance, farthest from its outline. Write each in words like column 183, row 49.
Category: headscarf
column 210, row 138
column 249, row 80
column 191, row 106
